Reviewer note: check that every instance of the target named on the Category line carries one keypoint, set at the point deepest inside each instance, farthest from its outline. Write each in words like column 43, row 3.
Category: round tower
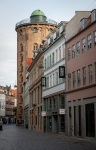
column 30, row 33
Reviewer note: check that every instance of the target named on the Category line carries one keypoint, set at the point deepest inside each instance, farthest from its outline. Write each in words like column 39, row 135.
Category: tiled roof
column 15, row 92
column 29, row 61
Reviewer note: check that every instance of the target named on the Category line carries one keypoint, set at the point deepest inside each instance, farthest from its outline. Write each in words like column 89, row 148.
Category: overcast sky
column 13, row 11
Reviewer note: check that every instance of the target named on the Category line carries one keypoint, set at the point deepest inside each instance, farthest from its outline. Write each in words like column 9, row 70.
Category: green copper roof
column 37, row 13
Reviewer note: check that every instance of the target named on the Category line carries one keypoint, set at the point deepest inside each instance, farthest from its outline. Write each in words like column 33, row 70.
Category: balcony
column 28, row 22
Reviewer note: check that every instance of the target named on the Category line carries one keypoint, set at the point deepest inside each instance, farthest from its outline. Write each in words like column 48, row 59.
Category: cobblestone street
column 18, row 138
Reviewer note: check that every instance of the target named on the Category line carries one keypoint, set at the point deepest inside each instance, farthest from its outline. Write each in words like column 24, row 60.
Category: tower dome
column 37, row 16
column 37, row 13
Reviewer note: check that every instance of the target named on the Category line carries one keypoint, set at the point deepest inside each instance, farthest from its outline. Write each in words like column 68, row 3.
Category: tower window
column 21, row 48
column 35, row 30
column 35, row 47
column 21, row 32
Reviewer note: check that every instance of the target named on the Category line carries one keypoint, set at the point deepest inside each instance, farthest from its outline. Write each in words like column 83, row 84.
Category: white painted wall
column 2, row 104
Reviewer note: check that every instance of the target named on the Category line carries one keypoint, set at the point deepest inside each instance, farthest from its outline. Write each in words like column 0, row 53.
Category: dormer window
column 61, row 29
column 93, row 15
column 50, row 30
column 35, row 30
column 84, row 22
column 54, row 36
column 48, row 41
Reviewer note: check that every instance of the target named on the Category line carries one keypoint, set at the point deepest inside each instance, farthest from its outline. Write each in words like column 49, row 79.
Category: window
column 50, row 80
column 48, row 62
column 21, row 67
column 89, row 41
column 84, row 75
column 54, row 103
column 45, row 63
column 52, row 58
column 56, row 78
column 63, row 48
column 90, row 74
column 78, row 48
column 50, row 30
column 21, row 47
column 54, row 36
column 62, row 101
column 50, row 103
column 93, row 15
column 35, row 30
column 21, row 32
column 35, row 47
column 83, row 23
column 73, row 51
column 83, row 45
column 78, row 77
column 69, row 81
column 69, row 54
column 61, row 29
column 45, row 102
column 74, row 79
column 60, row 53
column 95, row 38
column 95, row 71
column 48, row 41
column 21, row 58
column 56, row 55
column 47, row 82
column 53, row 79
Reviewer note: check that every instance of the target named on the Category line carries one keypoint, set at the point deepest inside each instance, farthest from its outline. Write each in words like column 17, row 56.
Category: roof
column 37, row 13
column 15, row 92
column 29, row 61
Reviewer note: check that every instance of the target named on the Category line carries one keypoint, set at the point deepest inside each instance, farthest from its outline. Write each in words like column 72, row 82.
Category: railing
column 27, row 21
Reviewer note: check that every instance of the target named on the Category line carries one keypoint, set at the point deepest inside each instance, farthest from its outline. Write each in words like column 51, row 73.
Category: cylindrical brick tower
column 30, row 33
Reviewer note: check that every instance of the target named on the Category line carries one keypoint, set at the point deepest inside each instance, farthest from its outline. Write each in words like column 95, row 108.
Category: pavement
column 18, row 138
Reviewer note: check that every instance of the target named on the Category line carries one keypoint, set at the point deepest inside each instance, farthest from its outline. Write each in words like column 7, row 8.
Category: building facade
column 53, row 93
column 26, row 101
column 2, row 104
column 81, row 78
column 9, row 106
column 35, row 92
column 30, row 33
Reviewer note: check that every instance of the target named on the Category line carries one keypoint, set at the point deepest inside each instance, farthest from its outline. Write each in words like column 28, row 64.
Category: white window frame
column 83, row 45
column 89, row 38
column 73, row 51
column 78, row 48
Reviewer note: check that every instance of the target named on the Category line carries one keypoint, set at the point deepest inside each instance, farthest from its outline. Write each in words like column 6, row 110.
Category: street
column 18, row 138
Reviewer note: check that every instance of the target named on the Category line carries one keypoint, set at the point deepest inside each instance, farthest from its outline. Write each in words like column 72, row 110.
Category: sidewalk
column 79, row 139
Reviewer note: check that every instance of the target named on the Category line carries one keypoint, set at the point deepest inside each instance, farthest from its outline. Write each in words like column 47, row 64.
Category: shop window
column 90, row 120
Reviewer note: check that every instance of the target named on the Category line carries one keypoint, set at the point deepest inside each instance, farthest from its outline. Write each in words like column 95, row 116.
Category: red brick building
column 81, row 78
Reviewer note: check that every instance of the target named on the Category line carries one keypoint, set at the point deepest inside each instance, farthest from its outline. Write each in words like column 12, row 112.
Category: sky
column 13, row 11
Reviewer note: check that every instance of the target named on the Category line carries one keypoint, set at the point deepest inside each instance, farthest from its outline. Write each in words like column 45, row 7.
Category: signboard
column 61, row 111
column 43, row 81
column 61, row 71
column 43, row 113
